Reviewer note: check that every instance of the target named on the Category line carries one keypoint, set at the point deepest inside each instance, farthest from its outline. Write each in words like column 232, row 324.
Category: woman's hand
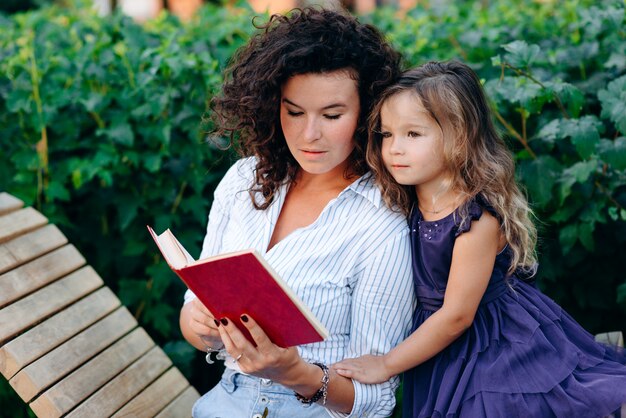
column 365, row 369
column 266, row 360
column 197, row 321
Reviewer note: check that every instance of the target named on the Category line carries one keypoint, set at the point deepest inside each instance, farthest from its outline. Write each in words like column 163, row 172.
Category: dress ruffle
column 523, row 355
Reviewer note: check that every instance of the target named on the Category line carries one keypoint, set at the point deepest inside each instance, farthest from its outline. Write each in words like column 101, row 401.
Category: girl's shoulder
column 471, row 211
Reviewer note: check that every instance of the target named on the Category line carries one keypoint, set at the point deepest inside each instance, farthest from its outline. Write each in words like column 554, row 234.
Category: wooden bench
column 67, row 345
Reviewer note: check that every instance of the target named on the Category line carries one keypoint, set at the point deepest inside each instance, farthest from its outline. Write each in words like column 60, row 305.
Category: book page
column 170, row 248
column 188, row 256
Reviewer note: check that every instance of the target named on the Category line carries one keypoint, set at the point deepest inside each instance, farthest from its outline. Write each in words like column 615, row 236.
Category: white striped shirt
column 351, row 267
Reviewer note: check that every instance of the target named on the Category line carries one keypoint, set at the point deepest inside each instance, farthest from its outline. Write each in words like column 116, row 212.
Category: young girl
column 486, row 342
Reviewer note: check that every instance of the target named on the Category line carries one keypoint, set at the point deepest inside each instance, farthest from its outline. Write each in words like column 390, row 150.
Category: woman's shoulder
column 238, row 178
column 241, row 172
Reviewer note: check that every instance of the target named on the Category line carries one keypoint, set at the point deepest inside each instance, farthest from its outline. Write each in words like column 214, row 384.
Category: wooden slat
column 36, row 274
column 19, row 222
column 181, row 406
column 51, row 333
column 72, row 390
column 22, row 314
column 124, row 387
column 614, row 338
column 29, row 246
column 49, row 369
column 9, row 203
column 155, row 397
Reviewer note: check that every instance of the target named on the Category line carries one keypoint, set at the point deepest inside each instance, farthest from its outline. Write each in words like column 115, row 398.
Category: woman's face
column 319, row 115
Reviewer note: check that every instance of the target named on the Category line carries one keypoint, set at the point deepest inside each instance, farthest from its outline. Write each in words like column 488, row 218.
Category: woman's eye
column 290, row 113
column 413, row 134
column 332, row 117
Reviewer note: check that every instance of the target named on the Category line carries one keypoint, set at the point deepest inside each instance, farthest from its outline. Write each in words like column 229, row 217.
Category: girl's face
column 412, row 147
column 319, row 115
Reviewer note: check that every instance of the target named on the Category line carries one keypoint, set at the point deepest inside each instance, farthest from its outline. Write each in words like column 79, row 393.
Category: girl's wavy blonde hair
column 479, row 161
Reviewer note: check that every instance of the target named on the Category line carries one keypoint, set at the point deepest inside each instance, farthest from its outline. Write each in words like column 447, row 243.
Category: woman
column 296, row 99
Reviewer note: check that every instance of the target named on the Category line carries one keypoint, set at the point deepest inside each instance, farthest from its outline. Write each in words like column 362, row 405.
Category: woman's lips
column 313, row 153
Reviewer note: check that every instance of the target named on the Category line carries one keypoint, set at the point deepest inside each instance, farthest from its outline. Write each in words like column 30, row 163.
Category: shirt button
column 264, row 399
column 257, row 416
column 266, row 382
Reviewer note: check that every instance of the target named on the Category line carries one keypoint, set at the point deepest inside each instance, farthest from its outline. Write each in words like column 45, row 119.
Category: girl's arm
column 473, row 260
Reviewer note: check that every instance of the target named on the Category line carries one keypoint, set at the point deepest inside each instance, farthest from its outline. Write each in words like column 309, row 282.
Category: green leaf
column 152, row 162
column 127, row 207
column 582, row 170
column 95, row 101
column 577, row 173
column 613, row 152
column 567, row 237
column 540, row 175
column 550, row 132
column 520, row 54
column 565, row 213
column 584, row 132
column 120, row 132
column 613, row 100
column 161, row 317
column 56, row 191
column 571, row 97
column 132, row 291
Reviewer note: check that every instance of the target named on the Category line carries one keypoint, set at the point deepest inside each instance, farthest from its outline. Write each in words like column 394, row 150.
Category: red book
column 232, row 284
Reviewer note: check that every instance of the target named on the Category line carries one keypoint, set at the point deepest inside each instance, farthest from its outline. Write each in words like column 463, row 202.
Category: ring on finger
column 236, row 359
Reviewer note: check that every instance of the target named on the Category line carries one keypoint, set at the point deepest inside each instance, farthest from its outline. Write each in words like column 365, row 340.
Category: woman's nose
column 312, row 130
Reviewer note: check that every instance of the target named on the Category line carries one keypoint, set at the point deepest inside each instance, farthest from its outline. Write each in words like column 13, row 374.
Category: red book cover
column 232, row 284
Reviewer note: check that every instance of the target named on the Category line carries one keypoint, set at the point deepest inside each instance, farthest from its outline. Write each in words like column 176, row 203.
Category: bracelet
column 210, row 350
column 322, row 393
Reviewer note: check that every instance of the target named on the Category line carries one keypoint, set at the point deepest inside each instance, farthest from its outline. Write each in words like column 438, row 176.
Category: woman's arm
column 283, row 365
column 473, row 260
column 382, row 303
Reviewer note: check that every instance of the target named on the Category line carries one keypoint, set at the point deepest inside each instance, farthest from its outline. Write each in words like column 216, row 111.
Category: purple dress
column 523, row 356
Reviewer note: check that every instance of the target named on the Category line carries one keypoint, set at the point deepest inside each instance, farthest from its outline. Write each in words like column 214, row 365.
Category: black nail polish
column 244, row 318
column 224, row 321
column 217, row 323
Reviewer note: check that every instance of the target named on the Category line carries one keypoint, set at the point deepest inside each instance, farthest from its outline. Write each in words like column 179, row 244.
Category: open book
column 232, row 284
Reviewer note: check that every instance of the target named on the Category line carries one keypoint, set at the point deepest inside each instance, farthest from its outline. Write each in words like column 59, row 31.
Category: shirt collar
column 366, row 187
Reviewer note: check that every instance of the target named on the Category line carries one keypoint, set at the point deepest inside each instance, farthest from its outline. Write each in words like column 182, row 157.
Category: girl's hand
column 202, row 323
column 266, row 360
column 365, row 369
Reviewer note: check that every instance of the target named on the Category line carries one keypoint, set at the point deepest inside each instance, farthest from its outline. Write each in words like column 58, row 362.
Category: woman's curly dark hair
column 305, row 41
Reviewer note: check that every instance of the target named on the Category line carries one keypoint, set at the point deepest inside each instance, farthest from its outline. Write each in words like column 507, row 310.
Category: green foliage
column 100, row 128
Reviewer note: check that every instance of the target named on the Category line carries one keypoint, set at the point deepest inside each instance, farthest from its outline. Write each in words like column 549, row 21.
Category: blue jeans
column 241, row 396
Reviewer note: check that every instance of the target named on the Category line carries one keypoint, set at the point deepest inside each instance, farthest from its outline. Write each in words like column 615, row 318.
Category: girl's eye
column 290, row 113
column 413, row 134
column 332, row 117
column 385, row 134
